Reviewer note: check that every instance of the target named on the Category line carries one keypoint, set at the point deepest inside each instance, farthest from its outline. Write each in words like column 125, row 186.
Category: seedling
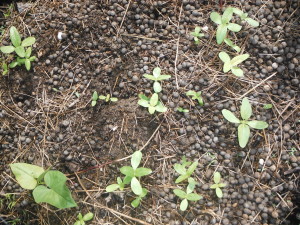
column 268, row 106
column 232, row 45
column 108, row 98
column 182, row 110
column 156, row 77
column 224, row 24
column 120, row 184
column 195, row 96
column 48, row 186
column 244, row 17
column 184, row 172
column 244, row 124
column 231, row 64
column 4, row 68
column 217, row 185
column 196, row 34
column 153, row 104
column 82, row 219
column 136, row 202
column 94, row 98
column 23, row 54
column 188, row 195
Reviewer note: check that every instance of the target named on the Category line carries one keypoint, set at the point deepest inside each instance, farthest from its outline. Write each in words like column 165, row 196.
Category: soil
column 46, row 117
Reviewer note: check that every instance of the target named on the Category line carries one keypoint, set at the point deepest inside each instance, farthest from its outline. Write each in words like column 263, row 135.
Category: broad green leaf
column 182, row 178
column 157, row 87
column 227, row 15
column 193, row 197
column 141, row 96
column 216, row 18
column 26, row 174
column 237, row 71
column 113, row 99
column 156, row 72
column 119, row 180
column 190, row 93
column 180, row 168
column 28, row 41
column 160, row 108
column 102, row 97
column 256, row 124
column 228, row 42
column 154, row 99
column 190, row 188
column 95, row 96
column 222, row 185
column 197, row 30
column 88, row 216
column 127, row 180
column 192, row 168
column 217, row 177
column 94, row 103
column 28, row 52
column 236, row 48
column 184, row 204
column 57, row 194
column 234, row 27
column 246, row 109
column 214, row 186
column 144, row 103
column 221, row 33
column 136, row 159
column 268, row 106
column 80, row 217
column 7, row 49
column 219, row 192
column 252, row 22
column 20, row 51
column 136, row 202
column 237, row 11
column 238, row 59
column 32, row 58
column 136, row 186
column 15, row 36
column 151, row 109
column 226, row 67
column 13, row 64
column 179, row 193
column 230, row 116
column 112, row 187
column 224, row 57
column 139, row 172
column 27, row 64
column 127, row 170
column 164, row 77
column 243, row 135
column 78, row 222
column 150, row 77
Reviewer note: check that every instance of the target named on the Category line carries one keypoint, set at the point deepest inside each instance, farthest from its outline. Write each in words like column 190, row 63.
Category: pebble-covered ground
column 46, row 117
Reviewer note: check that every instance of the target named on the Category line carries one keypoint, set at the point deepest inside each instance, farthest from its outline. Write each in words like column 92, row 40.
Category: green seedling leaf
column 224, row 57
column 136, row 202
column 219, row 192
column 192, row 168
column 222, row 185
column 127, row 170
column 243, row 135
column 216, row 17
column 227, row 15
column 182, row 178
column 230, row 116
column 127, row 180
column 268, row 106
column 150, row 77
column 246, row 110
column 214, row 186
column 156, row 72
column 234, row 27
column 237, row 71
column 20, row 51
column 141, row 96
column 252, row 22
column 163, row 77
column 28, row 52
column 144, row 103
column 193, row 197
column 154, row 99
column 26, row 174
column 226, row 67
column 237, row 11
column 102, row 97
column 184, row 204
column 32, row 58
column 179, row 193
column 151, row 109
column 221, row 33
column 56, row 193
column 15, row 36
column 94, row 103
column 238, row 59
column 160, row 108
column 28, row 41
column 180, row 109
column 190, row 93
column 136, row 159
column 13, row 64
column 217, row 177
column 113, row 99
column 136, row 186
column 157, row 87
column 78, row 222
column 79, row 216
column 112, row 187
column 27, row 64
column 180, row 169
column 256, row 124
column 140, row 172
column 7, row 49
column 88, row 216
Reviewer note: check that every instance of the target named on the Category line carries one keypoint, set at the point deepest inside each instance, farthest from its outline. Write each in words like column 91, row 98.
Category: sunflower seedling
column 188, row 195
column 82, row 219
column 196, row 34
column 244, row 124
column 196, row 96
column 23, row 54
column 231, row 64
column 244, row 17
column 217, row 185
column 224, row 24
column 153, row 104
column 182, row 110
column 156, row 77
column 184, row 172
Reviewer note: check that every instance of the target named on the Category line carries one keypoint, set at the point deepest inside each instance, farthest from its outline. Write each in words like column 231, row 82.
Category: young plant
column 217, row 185
column 196, row 34
column 19, row 47
column 156, row 77
column 184, row 172
column 232, row 45
column 244, row 17
column 136, row 202
column 224, row 24
column 120, row 184
column 231, row 64
column 244, row 124
column 196, row 96
column 82, row 219
column 153, row 104
column 48, row 186
column 108, row 98
column 188, row 195
column 95, row 97
column 182, row 110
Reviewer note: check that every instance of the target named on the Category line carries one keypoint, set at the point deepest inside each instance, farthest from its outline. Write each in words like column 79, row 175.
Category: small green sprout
column 196, row 34
column 23, row 54
column 244, row 17
column 231, row 64
column 188, row 195
column 196, row 96
column 156, row 77
column 217, row 185
column 232, row 45
column 183, row 171
column 153, row 104
column 136, row 202
column 224, row 24
column 108, row 98
column 244, row 124
column 268, row 106
column 182, row 110
column 94, row 98
column 4, row 68
column 120, row 184
column 82, row 219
